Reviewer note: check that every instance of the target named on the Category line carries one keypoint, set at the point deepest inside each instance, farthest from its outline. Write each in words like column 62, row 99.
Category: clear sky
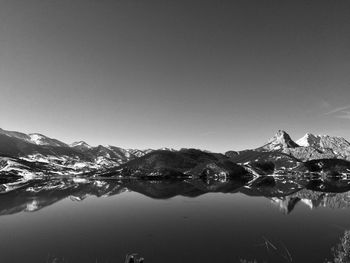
column 219, row 75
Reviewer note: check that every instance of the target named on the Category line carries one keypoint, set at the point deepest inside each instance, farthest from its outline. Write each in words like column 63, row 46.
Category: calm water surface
column 102, row 221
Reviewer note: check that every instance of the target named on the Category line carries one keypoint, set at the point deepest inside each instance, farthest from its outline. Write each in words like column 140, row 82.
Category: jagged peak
column 311, row 135
column 280, row 135
column 308, row 139
column 280, row 141
column 313, row 140
column 80, row 144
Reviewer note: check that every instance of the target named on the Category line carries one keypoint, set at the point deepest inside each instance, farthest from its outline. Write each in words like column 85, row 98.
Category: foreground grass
column 341, row 254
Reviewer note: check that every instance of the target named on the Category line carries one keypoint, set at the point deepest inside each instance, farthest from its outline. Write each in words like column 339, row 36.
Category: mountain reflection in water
column 267, row 219
column 283, row 191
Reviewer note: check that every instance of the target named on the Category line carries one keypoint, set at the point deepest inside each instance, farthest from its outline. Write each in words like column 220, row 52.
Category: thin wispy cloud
column 344, row 115
column 337, row 110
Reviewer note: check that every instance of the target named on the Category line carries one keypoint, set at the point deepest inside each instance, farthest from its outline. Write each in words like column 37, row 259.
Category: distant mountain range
column 26, row 157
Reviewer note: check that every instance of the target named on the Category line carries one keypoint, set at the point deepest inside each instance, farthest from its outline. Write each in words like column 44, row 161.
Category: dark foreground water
column 166, row 222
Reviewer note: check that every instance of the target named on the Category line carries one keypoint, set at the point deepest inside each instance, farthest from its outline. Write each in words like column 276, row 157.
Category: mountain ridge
column 29, row 155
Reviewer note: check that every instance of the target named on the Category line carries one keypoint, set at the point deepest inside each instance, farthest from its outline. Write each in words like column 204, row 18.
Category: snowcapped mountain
column 34, row 138
column 55, row 157
column 338, row 145
column 30, row 155
column 81, row 145
column 309, row 140
column 139, row 153
column 40, row 139
column 320, row 147
column 309, row 147
column 27, row 156
column 282, row 154
column 281, row 140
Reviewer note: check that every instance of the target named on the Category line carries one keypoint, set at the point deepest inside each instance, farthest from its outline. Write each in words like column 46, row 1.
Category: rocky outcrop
column 325, row 146
column 309, row 147
column 310, row 153
column 281, row 140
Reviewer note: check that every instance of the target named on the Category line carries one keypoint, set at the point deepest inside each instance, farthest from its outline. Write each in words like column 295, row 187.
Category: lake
column 79, row 220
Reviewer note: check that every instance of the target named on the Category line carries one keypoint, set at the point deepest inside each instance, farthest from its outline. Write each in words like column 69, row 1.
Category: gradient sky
column 218, row 75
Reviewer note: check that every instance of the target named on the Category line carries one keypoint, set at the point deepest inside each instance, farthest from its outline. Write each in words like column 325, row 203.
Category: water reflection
column 285, row 192
column 267, row 219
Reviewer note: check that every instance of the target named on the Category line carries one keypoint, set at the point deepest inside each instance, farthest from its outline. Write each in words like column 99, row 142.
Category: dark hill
column 186, row 162
column 12, row 146
column 326, row 166
column 279, row 160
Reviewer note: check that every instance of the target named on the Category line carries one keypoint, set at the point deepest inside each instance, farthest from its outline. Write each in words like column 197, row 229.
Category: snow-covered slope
column 35, row 154
column 338, row 144
column 34, row 138
column 281, row 140
column 81, row 145
column 61, row 158
column 309, row 140
column 309, row 147
column 40, row 139
column 321, row 147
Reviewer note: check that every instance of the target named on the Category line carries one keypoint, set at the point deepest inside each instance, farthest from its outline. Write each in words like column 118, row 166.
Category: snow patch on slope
column 309, row 140
column 81, row 144
column 36, row 139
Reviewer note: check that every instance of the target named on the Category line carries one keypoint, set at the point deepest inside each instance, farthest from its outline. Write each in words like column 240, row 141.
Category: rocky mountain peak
column 280, row 141
column 323, row 141
column 309, row 139
column 81, row 144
